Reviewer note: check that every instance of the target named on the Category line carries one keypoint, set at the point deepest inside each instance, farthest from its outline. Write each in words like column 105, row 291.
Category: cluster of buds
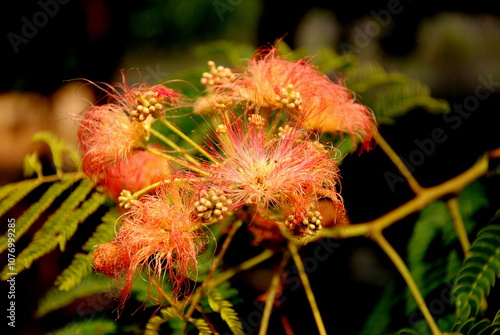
column 284, row 131
column 256, row 120
column 147, row 104
column 288, row 98
column 212, row 204
column 219, row 75
column 304, row 224
column 126, row 200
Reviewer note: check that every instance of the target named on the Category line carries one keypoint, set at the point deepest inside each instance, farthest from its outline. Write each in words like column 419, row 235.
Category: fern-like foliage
column 177, row 326
column 73, row 275
column 226, row 311
column 55, row 299
column 389, row 95
column 202, row 326
column 13, row 193
column 58, row 148
column 478, row 274
column 61, row 225
column 35, row 210
column 88, row 327
column 155, row 322
column 32, row 165
column 380, row 317
column 103, row 232
column 78, row 280
column 81, row 266
column 434, row 236
column 481, row 327
column 168, row 314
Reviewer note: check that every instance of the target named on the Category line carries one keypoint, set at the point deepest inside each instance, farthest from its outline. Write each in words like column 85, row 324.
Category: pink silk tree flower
column 143, row 101
column 108, row 136
column 270, row 82
column 273, row 173
column 110, row 259
column 160, row 236
column 140, row 101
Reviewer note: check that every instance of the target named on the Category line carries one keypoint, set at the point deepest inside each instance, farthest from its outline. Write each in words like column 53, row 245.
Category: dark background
column 93, row 39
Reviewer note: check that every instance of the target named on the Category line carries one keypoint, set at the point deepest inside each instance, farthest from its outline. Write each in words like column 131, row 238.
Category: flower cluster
column 265, row 163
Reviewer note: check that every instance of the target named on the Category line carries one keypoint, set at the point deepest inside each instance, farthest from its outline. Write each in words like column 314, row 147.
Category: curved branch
column 422, row 199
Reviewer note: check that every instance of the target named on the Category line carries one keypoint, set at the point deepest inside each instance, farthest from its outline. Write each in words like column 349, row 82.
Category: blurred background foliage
column 447, row 47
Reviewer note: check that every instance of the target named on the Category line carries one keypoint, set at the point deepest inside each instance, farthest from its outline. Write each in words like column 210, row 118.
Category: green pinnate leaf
column 62, row 224
column 30, row 215
column 73, row 275
column 58, row 148
column 32, row 165
column 13, row 193
column 202, row 326
column 155, row 322
column 88, row 327
column 81, row 266
column 478, row 273
column 225, row 309
column 56, row 299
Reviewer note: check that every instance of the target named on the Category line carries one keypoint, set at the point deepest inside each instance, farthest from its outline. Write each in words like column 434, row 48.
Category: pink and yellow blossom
column 141, row 100
column 108, row 136
column 159, row 235
column 273, row 173
column 270, row 82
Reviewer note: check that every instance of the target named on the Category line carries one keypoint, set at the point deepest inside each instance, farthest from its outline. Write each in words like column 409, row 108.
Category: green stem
column 146, row 189
column 174, row 146
column 458, row 223
column 186, row 138
column 461, row 232
column 166, row 296
column 292, row 247
column 378, row 237
column 176, row 160
column 218, row 259
column 248, row 264
column 232, row 231
column 55, row 177
column 393, row 156
column 271, row 294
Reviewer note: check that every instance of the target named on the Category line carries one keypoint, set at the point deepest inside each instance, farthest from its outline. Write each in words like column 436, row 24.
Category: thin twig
column 422, row 199
column 248, row 264
column 186, row 138
column 271, row 294
column 378, row 237
column 174, row 146
column 458, row 223
column 141, row 192
column 218, row 259
column 393, row 156
column 176, row 160
column 166, row 296
column 292, row 247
